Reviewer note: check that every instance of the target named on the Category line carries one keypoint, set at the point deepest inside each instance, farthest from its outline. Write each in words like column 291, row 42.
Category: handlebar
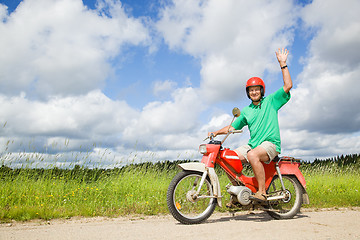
column 211, row 137
column 236, row 113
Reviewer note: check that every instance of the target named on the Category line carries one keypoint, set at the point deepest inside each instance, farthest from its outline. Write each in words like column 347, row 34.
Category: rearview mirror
column 236, row 112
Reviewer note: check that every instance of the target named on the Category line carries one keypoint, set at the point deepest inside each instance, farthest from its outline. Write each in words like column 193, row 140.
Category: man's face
column 255, row 93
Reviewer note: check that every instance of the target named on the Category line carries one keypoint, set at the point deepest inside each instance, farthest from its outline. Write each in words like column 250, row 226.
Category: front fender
column 193, row 166
column 200, row 167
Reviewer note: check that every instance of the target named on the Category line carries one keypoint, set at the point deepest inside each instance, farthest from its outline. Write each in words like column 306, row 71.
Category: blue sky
column 146, row 80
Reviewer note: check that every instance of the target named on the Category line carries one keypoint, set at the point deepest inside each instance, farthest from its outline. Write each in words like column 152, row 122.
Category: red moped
column 195, row 191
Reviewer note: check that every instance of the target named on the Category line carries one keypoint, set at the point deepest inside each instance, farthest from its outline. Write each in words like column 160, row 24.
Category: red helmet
column 255, row 81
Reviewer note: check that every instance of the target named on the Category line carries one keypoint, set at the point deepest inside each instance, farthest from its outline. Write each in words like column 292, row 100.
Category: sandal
column 258, row 197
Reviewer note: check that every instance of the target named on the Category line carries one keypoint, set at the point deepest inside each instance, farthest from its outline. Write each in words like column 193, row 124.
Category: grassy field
column 141, row 189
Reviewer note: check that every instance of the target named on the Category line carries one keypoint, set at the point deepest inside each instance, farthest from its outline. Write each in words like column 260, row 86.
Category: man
column 261, row 117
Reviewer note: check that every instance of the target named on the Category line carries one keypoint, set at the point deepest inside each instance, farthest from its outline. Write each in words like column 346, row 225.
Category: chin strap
column 258, row 101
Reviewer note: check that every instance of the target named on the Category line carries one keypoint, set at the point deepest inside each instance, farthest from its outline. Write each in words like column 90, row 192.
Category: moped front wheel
column 184, row 204
column 289, row 206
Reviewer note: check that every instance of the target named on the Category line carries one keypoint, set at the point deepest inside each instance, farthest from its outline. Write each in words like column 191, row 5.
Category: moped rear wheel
column 181, row 202
column 290, row 206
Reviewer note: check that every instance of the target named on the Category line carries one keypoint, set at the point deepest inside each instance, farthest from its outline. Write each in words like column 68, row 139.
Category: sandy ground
column 323, row 224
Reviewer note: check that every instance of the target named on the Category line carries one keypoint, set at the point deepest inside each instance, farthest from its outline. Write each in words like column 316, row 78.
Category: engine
column 241, row 194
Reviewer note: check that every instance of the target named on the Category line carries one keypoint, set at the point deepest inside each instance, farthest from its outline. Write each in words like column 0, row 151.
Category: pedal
column 232, row 205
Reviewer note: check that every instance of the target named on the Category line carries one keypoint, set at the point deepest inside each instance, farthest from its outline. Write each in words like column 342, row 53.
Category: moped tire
column 185, row 209
column 289, row 207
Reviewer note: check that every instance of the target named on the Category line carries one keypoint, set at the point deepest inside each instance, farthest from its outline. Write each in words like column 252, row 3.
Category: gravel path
column 324, row 224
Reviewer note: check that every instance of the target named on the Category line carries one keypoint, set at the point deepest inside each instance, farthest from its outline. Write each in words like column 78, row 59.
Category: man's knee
column 253, row 156
column 257, row 155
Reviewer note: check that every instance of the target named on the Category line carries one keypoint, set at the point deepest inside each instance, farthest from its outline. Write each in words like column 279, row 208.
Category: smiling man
column 261, row 117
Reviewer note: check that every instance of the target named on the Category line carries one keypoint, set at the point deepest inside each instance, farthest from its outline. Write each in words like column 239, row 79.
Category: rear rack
column 289, row 159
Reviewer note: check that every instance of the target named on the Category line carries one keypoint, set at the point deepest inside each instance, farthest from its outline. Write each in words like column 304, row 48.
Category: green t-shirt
column 262, row 119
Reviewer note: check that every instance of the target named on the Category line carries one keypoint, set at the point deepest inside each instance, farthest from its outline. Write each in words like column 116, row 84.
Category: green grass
column 334, row 191
column 140, row 189
column 331, row 185
column 27, row 194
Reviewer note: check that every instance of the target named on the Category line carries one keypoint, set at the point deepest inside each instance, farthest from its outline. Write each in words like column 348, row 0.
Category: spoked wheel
column 182, row 201
column 290, row 206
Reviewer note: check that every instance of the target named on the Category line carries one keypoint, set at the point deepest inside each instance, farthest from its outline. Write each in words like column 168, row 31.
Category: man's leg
column 256, row 156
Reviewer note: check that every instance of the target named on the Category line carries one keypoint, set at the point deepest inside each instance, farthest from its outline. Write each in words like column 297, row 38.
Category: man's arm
column 224, row 130
column 282, row 55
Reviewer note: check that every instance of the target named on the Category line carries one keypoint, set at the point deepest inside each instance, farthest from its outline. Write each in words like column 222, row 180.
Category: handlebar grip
column 237, row 131
column 211, row 137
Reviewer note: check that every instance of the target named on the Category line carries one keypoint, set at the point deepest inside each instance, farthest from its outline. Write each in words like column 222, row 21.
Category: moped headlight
column 202, row 149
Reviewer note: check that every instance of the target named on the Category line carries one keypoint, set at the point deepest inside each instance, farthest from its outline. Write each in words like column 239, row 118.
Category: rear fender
column 200, row 167
column 292, row 168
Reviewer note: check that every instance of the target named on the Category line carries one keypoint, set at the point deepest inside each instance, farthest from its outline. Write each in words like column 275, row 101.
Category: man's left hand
column 282, row 55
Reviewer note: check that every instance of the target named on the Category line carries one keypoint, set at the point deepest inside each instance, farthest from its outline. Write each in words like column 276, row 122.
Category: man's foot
column 259, row 197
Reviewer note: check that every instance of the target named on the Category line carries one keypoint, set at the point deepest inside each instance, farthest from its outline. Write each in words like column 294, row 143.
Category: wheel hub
column 287, row 198
column 192, row 196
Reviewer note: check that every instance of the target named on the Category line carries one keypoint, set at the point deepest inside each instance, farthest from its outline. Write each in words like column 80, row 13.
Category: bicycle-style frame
column 229, row 161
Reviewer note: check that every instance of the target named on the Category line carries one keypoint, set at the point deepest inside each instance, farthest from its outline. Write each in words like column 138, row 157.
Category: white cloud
column 75, row 129
column 86, row 120
column 168, row 124
column 337, row 41
column 61, row 47
column 163, row 87
column 62, row 53
column 234, row 39
column 323, row 117
column 62, row 50
column 3, row 12
column 308, row 145
column 326, row 99
column 217, row 122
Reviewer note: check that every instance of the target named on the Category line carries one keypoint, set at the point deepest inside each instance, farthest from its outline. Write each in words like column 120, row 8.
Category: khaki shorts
column 268, row 146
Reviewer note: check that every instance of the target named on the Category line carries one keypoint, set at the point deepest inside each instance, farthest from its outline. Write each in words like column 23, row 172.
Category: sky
column 109, row 82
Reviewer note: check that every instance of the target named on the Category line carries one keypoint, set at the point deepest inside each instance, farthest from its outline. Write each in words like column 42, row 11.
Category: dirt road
column 334, row 224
